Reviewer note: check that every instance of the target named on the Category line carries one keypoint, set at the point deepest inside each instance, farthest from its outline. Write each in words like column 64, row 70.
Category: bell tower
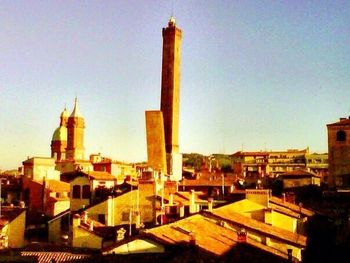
column 75, row 140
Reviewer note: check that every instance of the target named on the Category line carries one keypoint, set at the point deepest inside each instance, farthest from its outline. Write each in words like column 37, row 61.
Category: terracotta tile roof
column 44, row 257
column 101, row 176
column 209, row 179
column 341, row 122
column 293, row 207
column 299, row 173
column 250, row 224
column 284, row 210
column 209, row 235
column 178, row 199
column 69, row 176
column 244, row 206
column 57, row 186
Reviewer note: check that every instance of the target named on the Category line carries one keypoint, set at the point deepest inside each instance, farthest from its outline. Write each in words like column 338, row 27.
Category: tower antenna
column 172, row 8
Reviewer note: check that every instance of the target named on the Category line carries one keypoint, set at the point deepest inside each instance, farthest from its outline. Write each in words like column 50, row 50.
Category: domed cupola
column 59, row 138
column 64, row 117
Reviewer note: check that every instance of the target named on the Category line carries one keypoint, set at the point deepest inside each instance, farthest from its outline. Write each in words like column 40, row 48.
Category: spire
column 76, row 112
column 172, row 21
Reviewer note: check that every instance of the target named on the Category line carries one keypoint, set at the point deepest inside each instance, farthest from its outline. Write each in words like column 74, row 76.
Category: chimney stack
column 110, row 215
column 171, row 199
column 76, row 220
column 192, row 238
column 192, row 203
column 210, row 204
column 85, row 217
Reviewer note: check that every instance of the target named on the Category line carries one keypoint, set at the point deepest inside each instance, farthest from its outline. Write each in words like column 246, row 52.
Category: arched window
column 86, row 191
column 341, row 136
column 76, row 191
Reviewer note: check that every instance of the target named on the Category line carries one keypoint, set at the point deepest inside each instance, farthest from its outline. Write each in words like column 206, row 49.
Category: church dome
column 60, row 134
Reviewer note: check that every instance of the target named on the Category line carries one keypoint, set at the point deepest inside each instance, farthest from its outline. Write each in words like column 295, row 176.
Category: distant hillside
column 196, row 161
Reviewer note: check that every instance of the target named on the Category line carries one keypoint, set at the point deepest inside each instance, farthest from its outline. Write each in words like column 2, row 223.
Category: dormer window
column 341, row 136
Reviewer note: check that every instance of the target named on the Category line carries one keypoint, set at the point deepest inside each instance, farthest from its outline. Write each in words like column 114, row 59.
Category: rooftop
column 227, row 213
column 341, row 122
column 9, row 213
column 207, row 233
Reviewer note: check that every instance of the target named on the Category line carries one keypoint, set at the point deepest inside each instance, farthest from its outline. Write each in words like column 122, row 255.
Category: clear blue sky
column 262, row 74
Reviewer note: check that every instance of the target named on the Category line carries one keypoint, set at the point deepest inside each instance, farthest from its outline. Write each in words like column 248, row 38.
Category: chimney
column 171, row 199
column 290, row 255
column 138, row 219
column 76, row 220
column 85, row 217
column 110, row 214
column 192, row 203
column 210, row 204
column 192, row 237
column 283, row 197
column 181, row 210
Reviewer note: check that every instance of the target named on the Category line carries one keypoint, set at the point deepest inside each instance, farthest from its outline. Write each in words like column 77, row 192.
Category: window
column 125, row 216
column 76, row 191
column 86, row 191
column 341, row 136
column 102, row 218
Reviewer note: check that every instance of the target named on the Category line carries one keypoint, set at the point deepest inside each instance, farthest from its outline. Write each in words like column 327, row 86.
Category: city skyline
column 262, row 74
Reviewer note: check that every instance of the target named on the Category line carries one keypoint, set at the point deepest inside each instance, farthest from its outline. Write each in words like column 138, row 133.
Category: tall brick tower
column 75, row 140
column 339, row 153
column 170, row 95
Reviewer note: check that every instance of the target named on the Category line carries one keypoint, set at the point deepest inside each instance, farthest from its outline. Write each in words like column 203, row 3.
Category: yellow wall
column 283, row 221
column 54, row 231
column 16, row 231
column 61, row 206
column 84, row 238
column 296, row 252
column 76, row 204
column 121, row 205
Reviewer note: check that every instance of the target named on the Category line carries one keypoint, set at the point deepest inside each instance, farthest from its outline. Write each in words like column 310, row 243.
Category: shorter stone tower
column 75, row 139
column 339, row 153
column 59, row 138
